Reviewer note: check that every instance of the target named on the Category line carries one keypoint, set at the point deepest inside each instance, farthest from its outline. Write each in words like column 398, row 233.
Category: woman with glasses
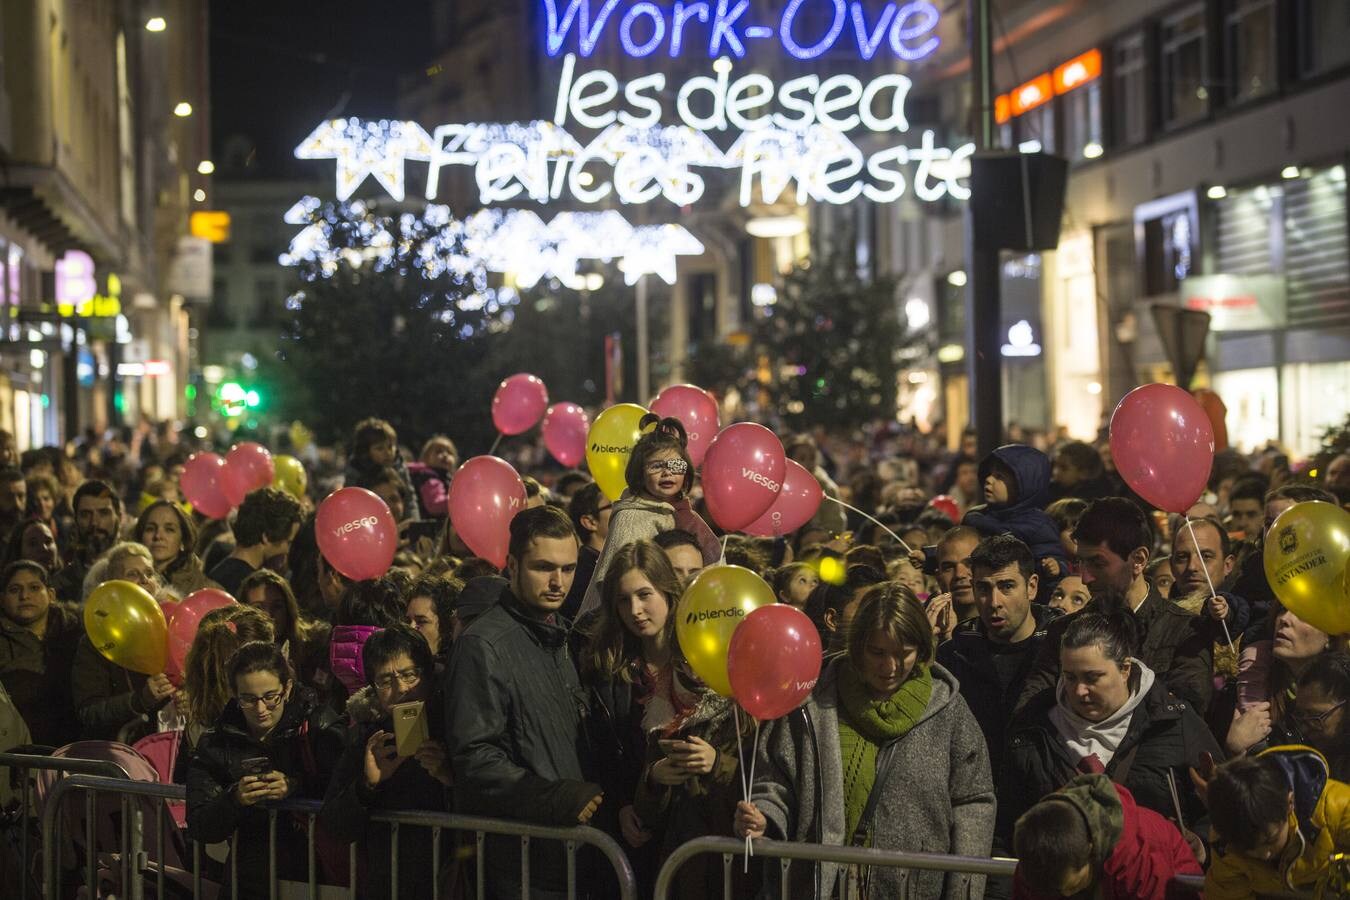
column 392, row 766
column 1268, row 677
column 271, row 743
column 660, row 476
column 1319, row 717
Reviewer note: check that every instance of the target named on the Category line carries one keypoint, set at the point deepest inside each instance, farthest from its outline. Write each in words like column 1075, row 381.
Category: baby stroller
column 120, row 824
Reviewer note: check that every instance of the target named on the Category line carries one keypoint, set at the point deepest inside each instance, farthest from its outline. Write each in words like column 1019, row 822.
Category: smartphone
column 256, row 765
column 410, row 726
column 668, row 745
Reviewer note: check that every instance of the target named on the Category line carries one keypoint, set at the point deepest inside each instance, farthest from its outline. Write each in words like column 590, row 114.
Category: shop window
column 1249, row 43
column 1130, row 80
column 1036, row 130
column 1168, row 250
column 1324, row 35
column 1083, row 122
column 1185, row 95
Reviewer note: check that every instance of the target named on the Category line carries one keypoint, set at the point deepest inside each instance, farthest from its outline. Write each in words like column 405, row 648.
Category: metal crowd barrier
column 28, row 763
column 132, row 858
column 787, row 851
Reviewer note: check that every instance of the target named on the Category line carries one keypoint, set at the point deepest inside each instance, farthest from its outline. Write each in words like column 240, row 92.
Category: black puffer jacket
column 1175, row 644
column 305, row 745
column 1165, row 735
column 349, row 804
column 514, row 730
column 974, row 661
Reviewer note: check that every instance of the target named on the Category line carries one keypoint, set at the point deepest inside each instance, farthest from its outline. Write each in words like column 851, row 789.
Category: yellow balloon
column 301, row 437
column 716, row 601
column 127, row 626
column 1307, row 557
column 610, row 443
column 289, row 475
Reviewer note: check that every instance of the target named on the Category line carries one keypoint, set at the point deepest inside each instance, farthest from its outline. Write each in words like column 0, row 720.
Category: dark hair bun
column 669, row 426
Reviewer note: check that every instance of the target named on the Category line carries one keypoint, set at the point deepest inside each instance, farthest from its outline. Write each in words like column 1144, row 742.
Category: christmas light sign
column 721, row 27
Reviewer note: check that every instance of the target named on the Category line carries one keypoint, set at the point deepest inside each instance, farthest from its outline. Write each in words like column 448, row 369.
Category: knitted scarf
column 866, row 725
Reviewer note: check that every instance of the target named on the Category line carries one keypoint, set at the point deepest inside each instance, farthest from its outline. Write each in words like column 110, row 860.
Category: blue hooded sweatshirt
column 1023, row 518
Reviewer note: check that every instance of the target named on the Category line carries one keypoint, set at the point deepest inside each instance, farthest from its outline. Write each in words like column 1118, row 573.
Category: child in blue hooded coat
column 1016, row 480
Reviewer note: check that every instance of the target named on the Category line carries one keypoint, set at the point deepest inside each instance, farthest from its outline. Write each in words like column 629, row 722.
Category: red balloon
column 946, row 505
column 185, row 617
column 797, row 502
column 1162, row 443
column 519, row 403
column 203, row 484
column 773, row 661
column 742, row 474
column 485, row 495
column 356, row 533
column 697, row 412
column 248, row 466
column 565, row 428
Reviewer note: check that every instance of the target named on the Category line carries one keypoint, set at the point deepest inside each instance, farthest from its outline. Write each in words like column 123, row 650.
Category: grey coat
column 937, row 794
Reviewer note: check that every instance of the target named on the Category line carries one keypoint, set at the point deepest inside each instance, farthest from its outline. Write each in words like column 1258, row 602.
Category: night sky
column 278, row 67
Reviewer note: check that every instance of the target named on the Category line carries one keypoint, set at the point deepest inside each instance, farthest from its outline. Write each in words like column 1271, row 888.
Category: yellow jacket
column 1321, row 820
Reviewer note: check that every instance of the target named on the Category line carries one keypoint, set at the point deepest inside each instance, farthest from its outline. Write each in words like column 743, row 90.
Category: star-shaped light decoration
column 652, row 250
column 363, row 148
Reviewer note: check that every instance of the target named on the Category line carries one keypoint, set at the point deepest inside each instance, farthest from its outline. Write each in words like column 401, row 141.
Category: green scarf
column 866, row 725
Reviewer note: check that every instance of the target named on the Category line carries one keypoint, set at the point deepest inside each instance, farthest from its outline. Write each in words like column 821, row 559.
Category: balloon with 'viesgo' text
column 184, row 619
column 519, row 403
column 1162, row 443
column 716, row 601
column 485, row 496
column 609, row 444
column 356, row 533
column 565, row 428
column 774, row 661
column 742, row 474
column 248, row 466
column 1307, row 558
column 796, row 503
column 696, row 410
column 203, row 485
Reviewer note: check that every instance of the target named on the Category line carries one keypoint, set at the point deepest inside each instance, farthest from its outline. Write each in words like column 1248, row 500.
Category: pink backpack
column 344, row 654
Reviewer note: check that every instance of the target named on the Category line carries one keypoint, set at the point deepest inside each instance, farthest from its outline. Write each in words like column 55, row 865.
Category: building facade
column 103, row 135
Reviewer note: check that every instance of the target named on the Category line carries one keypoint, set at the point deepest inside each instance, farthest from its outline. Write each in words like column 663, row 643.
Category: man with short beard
column 98, row 522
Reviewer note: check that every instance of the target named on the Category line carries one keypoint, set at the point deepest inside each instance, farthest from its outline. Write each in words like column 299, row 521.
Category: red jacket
column 1146, row 850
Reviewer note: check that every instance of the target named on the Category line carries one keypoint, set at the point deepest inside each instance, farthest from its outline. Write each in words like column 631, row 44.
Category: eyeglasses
column 673, row 466
column 1303, row 722
column 405, row 677
column 271, row 700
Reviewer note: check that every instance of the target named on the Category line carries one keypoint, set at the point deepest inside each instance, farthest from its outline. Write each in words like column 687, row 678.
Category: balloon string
column 882, row 525
column 740, row 754
column 725, row 538
column 754, row 753
column 495, row 443
column 1209, row 581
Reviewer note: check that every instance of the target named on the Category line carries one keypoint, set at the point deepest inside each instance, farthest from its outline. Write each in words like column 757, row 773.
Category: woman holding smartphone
column 665, row 743
column 271, row 742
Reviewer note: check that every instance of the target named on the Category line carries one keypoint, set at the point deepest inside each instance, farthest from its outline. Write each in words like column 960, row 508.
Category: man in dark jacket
column 1114, row 543
column 266, row 523
column 372, row 776
column 515, row 708
column 98, row 521
column 1078, row 471
column 992, row 656
column 589, row 510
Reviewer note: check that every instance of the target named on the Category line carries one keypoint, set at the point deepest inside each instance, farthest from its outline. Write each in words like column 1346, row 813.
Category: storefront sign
column 1238, row 302
column 77, row 293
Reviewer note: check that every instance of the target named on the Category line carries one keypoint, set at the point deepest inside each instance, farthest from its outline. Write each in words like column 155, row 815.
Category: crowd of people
column 1021, row 658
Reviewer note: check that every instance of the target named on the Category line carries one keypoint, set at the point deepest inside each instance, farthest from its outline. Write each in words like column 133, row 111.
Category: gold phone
column 410, row 726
